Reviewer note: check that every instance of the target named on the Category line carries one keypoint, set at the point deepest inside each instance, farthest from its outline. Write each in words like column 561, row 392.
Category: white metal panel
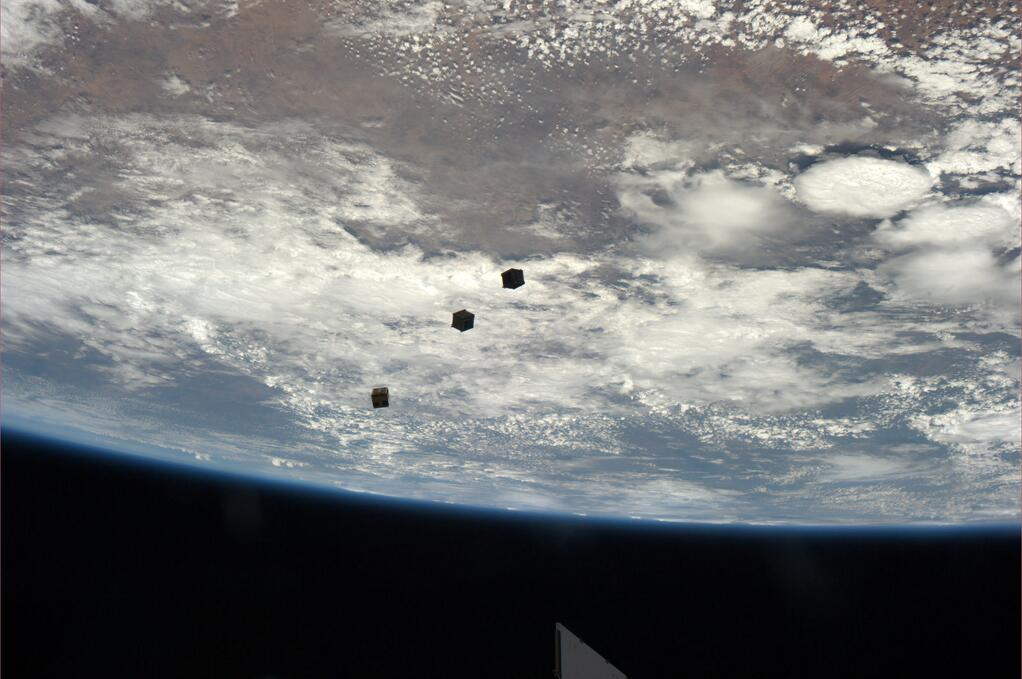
column 575, row 660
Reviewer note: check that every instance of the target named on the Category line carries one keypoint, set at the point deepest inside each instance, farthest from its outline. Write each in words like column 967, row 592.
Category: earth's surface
column 771, row 248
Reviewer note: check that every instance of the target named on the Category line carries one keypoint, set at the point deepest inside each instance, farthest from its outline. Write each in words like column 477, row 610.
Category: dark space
column 117, row 567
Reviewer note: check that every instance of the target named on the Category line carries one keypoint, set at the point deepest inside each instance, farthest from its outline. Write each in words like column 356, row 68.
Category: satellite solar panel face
column 573, row 659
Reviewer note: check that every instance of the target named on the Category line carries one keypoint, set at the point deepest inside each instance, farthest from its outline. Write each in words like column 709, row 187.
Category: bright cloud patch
column 955, row 277
column 862, row 187
column 860, row 468
column 976, row 146
column 647, row 150
column 29, row 24
column 708, row 211
column 174, row 85
column 974, row 432
column 943, row 225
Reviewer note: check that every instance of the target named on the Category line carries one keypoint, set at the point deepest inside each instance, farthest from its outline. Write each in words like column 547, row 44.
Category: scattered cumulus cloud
column 975, row 146
column 174, row 85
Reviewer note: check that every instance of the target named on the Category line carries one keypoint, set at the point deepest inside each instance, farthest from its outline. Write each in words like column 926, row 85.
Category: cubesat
column 463, row 320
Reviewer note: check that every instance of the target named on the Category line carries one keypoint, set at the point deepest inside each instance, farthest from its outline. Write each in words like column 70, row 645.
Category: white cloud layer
column 945, row 225
column 975, row 146
column 961, row 277
column 225, row 252
column 860, row 468
column 214, row 255
column 30, row 24
column 862, row 186
column 975, row 433
column 707, row 211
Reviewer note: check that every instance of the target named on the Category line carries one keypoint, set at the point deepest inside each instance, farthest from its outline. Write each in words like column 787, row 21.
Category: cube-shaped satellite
column 463, row 320
column 513, row 278
column 381, row 397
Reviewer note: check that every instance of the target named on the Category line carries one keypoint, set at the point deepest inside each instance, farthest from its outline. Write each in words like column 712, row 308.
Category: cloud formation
column 862, row 186
column 717, row 352
column 216, row 257
column 955, row 277
column 702, row 212
column 945, row 225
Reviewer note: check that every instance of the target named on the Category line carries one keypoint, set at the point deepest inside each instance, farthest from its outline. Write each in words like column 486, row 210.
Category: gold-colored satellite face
column 772, row 248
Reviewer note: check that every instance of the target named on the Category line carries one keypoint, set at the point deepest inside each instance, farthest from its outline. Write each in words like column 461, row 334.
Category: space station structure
column 463, row 320
column 381, row 397
column 513, row 278
column 575, row 659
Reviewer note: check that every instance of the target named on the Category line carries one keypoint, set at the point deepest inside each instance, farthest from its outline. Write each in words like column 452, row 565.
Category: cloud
column 284, row 462
column 974, row 432
column 862, row 186
column 859, row 468
column 31, row 24
column 231, row 257
column 174, row 85
column 170, row 252
column 951, row 225
column 216, row 261
column 644, row 149
column 955, row 277
column 706, row 211
column 391, row 19
column 975, row 146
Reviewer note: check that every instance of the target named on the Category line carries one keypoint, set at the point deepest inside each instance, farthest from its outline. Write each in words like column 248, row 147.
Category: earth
column 771, row 249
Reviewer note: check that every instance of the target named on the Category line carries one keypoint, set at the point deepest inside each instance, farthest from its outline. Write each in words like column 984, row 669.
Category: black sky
column 123, row 568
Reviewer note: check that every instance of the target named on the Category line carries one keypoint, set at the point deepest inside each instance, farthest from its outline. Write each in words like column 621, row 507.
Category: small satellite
column 463, row 320
column 573, row 659
column 381, row 397
column 513, row 278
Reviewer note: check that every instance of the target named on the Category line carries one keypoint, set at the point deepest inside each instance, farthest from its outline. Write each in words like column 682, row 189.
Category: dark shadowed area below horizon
column 120, row 568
